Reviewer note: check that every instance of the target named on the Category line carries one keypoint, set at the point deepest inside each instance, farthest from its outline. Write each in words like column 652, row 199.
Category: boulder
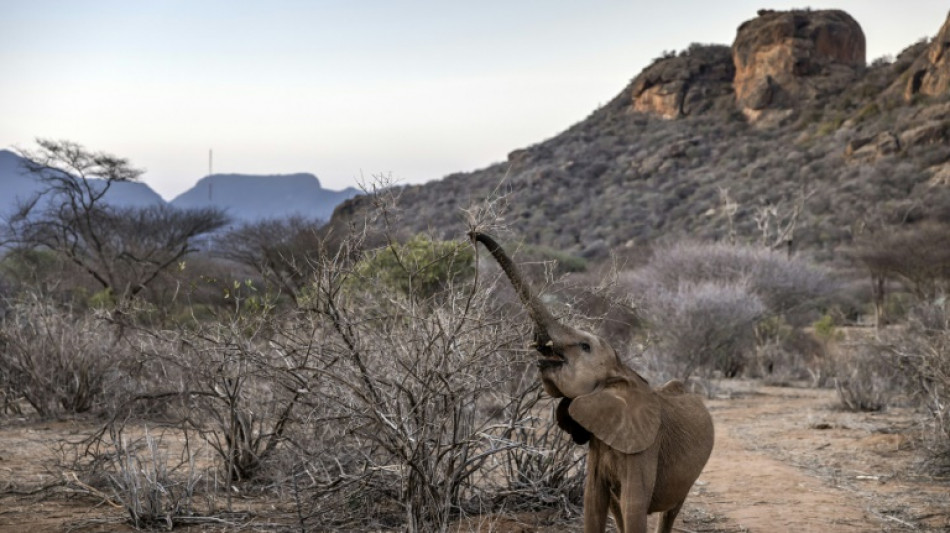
column 870, row 149
column 931, row 132
column 783, row 58
column 694, row 82
column 940, row 176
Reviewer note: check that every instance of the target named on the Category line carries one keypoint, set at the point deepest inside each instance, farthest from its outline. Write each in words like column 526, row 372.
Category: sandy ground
column 786, row 460
column 789, row 459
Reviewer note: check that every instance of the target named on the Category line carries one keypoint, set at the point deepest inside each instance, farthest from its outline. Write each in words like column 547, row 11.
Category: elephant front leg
column 635, row 495
column 596, row 503
column 634, row 515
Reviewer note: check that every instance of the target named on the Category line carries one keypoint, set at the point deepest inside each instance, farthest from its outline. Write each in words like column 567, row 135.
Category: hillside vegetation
column 859, row 152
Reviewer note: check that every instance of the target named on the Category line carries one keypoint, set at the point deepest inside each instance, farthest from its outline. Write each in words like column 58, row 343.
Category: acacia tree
column 918, row 255
column 285, row 252
column 122, row 248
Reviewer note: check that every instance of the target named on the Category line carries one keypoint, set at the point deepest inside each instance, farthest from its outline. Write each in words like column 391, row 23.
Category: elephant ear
column 624, row 414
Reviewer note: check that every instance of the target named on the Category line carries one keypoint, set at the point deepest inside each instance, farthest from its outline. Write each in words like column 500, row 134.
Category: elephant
column 647, row 446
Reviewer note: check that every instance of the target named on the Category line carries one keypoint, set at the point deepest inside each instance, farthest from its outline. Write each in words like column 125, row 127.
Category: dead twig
column 95, row 492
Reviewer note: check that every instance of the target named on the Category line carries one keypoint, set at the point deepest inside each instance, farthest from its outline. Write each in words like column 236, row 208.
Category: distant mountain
column 17, row 185
column 249, row 197
column 244, row 197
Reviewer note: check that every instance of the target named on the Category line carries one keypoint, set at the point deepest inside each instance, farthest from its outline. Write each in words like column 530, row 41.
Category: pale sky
column 350, row 88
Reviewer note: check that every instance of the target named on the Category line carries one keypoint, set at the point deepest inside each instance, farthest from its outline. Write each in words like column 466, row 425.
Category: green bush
column 825, row 328
column 421, row 267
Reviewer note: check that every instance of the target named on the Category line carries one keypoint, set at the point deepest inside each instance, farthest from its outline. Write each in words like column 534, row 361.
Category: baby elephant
column 647, row 446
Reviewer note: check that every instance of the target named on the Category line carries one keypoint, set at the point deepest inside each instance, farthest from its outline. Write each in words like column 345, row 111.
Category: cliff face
column 782, row 58
column 930, row 74
column 778, row 61
column 693, row 82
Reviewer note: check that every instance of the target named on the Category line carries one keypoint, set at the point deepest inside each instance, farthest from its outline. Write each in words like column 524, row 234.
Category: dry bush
column 283, row 252
column 921, row 352
column 709, row 326
column 866, row 379
column 786, row 285
column 901, row 364
column 155, row 490
column 704, row 301
column 785, row 354
column 540, row 465
column 366, row 404
column 58, row 361
column 409, row 379
column 386, row 395
column 154, row 476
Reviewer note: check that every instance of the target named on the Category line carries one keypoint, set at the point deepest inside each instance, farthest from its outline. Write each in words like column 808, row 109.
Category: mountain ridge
column 255, row 197
column 246, row 197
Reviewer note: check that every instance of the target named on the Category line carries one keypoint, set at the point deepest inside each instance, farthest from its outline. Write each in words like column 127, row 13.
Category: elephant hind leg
column 665, row 524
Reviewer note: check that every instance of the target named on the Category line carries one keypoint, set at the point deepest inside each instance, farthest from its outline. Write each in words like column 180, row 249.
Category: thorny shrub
column 921, row 352
column 702, row 303
column 58, row 361
column 708, row 326
column 366, row 405
column 865, row 378
column 155, row 490
column 417, row 386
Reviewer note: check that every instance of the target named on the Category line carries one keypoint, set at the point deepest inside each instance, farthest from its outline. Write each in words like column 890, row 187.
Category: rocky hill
column 725, row 140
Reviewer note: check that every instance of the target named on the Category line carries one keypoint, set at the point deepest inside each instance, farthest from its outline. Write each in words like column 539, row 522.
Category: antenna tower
column 210, row 172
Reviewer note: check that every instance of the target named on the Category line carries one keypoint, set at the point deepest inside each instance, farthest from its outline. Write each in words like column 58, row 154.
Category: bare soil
column 790, row 459
column 787, row 459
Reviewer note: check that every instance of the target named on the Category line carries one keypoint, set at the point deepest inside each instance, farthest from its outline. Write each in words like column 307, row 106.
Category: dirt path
column 758, row 493
column 788, row 460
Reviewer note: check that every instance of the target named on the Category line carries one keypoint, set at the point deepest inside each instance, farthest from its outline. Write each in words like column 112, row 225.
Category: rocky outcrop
column 930, row 132
column 939, row 176
column 785, row 57
column 930, row 74
column 885, row 143
column 870, row 149
column 693, row 82
column 778, row 60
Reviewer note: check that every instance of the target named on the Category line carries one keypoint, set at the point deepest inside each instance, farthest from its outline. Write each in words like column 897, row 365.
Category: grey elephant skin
column 647, row 446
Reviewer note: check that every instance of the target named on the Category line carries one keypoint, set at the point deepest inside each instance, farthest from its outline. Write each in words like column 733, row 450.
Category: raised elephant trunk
column 547, row 326
column 647, row 447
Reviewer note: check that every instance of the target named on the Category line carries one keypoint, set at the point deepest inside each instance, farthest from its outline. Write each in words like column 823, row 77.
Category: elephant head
column 600, row 394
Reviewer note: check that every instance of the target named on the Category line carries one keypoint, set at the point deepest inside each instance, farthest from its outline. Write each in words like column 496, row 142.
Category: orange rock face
column 693, row 82
column 778, row 60
column 931, row 73
column 784, row 57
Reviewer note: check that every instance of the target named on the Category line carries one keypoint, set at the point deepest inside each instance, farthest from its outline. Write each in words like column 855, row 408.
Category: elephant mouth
column 547, row 363
column 549, row 357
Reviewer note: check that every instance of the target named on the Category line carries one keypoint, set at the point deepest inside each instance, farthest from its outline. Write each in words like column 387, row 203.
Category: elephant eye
column 584, row 346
